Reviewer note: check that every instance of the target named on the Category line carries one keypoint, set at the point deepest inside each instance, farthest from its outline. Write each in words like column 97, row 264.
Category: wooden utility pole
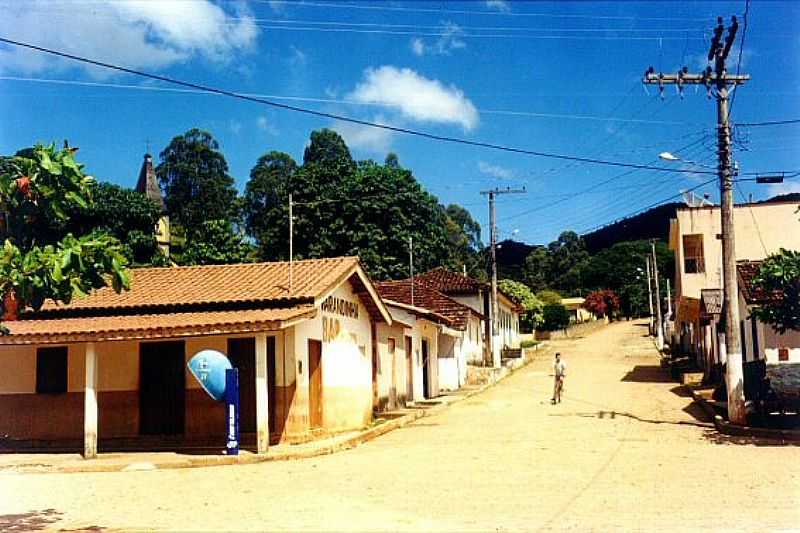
column 494, row 340
column 659, row 321
column 717, row 81
column 649, row 295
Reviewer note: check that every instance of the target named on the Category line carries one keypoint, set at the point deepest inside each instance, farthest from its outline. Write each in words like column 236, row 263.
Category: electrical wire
column 768, row 123
column 530, row 114
column 344, row 118
column 753, row 216
column 741, row 50
column 663, row 200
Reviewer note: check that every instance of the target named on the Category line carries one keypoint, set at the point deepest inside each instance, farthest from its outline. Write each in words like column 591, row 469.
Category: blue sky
column 554, row 77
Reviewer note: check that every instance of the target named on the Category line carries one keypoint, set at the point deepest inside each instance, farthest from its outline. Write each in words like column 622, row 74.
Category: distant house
column 111, row 368
column 477, row 296
column 761, row 228
column 444, row 332
column 577, row 313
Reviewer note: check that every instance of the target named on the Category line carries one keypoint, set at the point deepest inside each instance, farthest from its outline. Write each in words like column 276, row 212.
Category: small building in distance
column 577, row 313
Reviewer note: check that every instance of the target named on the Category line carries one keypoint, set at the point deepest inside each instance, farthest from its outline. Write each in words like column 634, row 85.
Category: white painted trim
column 90, row 403
column 262, row 399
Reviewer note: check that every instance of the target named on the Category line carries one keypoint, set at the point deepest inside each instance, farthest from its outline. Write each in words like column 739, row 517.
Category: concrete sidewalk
column 12, row 463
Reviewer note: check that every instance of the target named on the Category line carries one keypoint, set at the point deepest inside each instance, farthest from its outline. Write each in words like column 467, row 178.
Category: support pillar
column 90, row 404
column 262, row 399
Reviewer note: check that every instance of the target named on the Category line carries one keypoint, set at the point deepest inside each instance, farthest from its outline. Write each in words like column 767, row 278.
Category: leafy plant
column 549, row 297
column 779, row 281
column 522, row 294
column 554, row 317
column 602, row 303
column 41, row 186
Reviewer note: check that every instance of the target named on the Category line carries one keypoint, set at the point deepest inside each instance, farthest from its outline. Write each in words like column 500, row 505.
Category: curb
column 725, row 427
column 247, row 459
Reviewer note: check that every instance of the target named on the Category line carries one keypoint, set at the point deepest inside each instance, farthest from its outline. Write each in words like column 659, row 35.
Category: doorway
column 162, row 388
column 409, row 370
column 425, row 372
column 242, row 354
column 315, row 383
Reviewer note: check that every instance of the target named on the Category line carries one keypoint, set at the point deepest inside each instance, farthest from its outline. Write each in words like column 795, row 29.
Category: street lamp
column 669, row 156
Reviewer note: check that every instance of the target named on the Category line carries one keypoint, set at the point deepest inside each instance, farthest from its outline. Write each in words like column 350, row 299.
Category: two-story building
column 760, row 229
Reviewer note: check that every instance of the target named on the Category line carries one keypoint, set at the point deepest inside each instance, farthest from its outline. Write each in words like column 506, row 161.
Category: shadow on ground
column 30, row 521
column 647, row 374
column 716, row 437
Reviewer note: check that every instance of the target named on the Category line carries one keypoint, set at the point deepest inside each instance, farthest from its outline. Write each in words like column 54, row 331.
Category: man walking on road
column 559, row 373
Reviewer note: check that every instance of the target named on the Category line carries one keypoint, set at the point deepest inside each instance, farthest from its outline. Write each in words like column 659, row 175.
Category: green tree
column 779, row 281
column 554, row 317
column 622, row 268
column 342, row 208
column 522, row 294
column 568, row 258
column 216, row 242
column 125, row 214
column 42, row 185
column 464, row 238
column 267, row 192
column 549, row 297
column 536, row 269
column 194, row 176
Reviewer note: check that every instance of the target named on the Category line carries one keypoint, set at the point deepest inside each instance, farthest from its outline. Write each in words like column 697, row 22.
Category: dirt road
column 623, row 451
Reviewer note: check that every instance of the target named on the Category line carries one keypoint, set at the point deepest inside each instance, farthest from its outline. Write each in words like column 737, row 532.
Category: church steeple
column 148, row 185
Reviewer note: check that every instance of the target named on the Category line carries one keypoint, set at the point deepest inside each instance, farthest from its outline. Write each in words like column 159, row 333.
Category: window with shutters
column 693, row 259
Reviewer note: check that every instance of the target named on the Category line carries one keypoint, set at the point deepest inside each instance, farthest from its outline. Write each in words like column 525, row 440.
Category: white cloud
column 499, row 5
column 784, row 188
column 495, row 170
column 418, row 46
column 450, row 40
column 297, row 58
column 265, row 125
column 415, row 96
column 235, row 126
column 366, row 138
column 134, row 33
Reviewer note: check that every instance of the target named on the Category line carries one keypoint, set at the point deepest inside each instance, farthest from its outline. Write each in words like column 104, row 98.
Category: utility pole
column 649, row 295
column 411, row 266
column 291, row 244
column 717, row 81
column 494, row 333
column 659, row 321
column 669, row 300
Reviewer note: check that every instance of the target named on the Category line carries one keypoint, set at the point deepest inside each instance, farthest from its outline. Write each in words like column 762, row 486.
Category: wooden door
column 242, row 354
column 409, row 370
column 425, row 373
column 315, row 383
column 162, row 388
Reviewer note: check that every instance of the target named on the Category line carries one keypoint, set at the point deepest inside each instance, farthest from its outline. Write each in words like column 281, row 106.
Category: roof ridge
column 239, row 265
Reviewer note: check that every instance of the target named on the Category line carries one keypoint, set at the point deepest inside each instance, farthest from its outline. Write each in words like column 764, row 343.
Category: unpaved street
column 623, row 451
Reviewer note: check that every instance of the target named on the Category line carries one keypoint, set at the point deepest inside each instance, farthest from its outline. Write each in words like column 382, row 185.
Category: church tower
column 148, row 185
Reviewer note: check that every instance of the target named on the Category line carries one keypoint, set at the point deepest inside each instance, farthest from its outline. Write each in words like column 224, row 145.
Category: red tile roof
column 752, row 293
column 450, row 282
column 150, row 326
column 252, row 283
column 455, row 314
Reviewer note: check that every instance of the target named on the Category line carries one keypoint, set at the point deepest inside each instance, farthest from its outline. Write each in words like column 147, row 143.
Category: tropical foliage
column 554, row 317
column 779, row 279
column 522, row 294
column 603, row 303
column 40, row 187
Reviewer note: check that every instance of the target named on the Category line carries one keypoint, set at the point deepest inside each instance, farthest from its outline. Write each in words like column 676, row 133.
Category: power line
column 768, row 123
column 474, row 12
column 589, row 230
column 343, row 118
column 753, row 216
column 741, row 50
column 507, row 112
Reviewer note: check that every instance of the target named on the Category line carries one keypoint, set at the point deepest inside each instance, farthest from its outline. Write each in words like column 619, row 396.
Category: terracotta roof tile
column 450, row 282
column 454, row 313
column 256, row 283
column 753, row 294
column 149, row 326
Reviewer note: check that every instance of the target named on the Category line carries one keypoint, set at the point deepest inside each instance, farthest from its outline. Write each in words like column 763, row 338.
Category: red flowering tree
column 602, row 303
